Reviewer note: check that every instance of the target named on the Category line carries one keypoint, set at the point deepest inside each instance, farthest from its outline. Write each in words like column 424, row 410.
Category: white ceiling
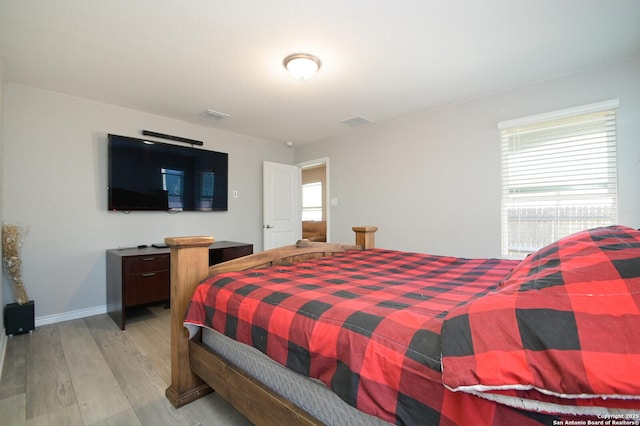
column 381, row 59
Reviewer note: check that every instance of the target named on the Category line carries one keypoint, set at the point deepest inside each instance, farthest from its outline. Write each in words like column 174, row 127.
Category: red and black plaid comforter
column 366, row 323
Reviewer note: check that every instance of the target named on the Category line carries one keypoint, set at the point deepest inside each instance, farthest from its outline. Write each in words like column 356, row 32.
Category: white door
column 281, row 209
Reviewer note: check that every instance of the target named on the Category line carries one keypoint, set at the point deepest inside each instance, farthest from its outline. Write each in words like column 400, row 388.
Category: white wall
column 431, row 182
column 55, row 181
column 1, row 186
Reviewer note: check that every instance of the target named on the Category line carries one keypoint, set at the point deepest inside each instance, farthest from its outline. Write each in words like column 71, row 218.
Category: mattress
column 309, row 394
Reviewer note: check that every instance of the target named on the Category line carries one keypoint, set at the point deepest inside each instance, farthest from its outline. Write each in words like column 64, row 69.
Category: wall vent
column 356, row 121
column 215, row 114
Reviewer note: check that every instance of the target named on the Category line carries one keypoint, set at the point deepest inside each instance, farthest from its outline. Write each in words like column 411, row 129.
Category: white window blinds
column 558, row 176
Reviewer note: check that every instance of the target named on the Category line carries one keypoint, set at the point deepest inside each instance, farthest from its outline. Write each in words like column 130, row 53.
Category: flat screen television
column 148, row 175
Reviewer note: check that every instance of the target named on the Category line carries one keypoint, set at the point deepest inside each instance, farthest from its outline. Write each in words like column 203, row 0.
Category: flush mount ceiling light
column 302, row 66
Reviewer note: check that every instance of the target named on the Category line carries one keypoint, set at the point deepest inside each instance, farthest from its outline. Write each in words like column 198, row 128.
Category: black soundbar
column 173, row 138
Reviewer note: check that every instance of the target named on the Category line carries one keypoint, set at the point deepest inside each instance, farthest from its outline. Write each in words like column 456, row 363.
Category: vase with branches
column 12, row 240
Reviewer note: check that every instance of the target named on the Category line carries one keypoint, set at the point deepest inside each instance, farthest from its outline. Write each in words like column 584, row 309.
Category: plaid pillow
column 560, row 333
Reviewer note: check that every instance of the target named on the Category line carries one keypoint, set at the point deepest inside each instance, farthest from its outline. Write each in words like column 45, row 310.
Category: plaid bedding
column 366, row 323
column 532, row 342
column 564, row 330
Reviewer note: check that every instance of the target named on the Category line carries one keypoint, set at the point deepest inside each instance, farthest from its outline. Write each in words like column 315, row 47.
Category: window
column 173, row 183
column 558, row 176
column 207, row 183
column 312, row 201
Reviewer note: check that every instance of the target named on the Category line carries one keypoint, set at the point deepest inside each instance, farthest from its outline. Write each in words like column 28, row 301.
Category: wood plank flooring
column 89, row 372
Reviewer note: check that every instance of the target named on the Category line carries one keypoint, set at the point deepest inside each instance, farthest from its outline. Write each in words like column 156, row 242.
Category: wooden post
column 365, row 236
column 189, row 266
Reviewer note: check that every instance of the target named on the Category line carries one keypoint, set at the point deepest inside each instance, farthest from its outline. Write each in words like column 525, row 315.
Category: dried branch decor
column 12, row 239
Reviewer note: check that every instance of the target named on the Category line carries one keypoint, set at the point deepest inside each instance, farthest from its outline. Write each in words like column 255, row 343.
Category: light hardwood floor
column 89, row 372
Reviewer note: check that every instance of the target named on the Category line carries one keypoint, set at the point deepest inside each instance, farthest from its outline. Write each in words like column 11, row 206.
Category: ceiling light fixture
column 302, row 66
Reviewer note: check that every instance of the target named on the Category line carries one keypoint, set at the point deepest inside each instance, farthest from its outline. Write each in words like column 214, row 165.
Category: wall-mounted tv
column 148, row 175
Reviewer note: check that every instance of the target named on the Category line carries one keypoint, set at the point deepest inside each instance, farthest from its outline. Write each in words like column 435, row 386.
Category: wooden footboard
column 189, row 266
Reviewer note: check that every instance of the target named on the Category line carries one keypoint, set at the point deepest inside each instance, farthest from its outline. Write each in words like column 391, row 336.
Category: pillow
column 585, row 252
column 560, row 335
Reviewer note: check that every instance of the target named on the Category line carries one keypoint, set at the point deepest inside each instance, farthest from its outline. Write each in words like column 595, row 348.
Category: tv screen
column 148, row 175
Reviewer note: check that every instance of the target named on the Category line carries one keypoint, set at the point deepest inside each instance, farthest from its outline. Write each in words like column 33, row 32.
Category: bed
column 360, row 335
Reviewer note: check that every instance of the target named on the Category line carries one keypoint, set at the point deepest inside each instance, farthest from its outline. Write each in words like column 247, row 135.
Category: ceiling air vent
column 215, row 114
column 356, row 121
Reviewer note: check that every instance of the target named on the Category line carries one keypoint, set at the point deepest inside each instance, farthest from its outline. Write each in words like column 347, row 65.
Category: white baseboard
column 66, row 316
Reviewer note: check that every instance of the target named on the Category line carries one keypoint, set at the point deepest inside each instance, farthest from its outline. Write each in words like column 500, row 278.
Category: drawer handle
column 149, row 274
column 148, row 259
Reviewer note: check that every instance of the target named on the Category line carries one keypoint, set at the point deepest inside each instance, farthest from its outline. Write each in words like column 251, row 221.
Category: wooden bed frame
column 195, row 370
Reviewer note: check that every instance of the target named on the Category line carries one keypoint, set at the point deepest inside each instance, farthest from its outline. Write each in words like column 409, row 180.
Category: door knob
column 268, row 226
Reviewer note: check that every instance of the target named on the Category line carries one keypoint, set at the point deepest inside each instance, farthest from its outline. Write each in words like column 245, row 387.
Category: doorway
column 315, row 199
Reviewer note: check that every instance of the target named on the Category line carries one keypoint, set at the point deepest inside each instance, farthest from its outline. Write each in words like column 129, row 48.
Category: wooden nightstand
column 138, row 277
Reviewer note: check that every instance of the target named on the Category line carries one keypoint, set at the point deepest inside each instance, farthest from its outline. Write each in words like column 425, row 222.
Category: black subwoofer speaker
column 19, row 319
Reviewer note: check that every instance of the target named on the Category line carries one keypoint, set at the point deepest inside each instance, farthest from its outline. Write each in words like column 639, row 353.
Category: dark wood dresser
column 141, row 276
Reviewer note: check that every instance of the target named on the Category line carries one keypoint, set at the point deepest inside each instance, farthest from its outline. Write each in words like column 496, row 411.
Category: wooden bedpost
column 365, row 236
column 189, row 266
